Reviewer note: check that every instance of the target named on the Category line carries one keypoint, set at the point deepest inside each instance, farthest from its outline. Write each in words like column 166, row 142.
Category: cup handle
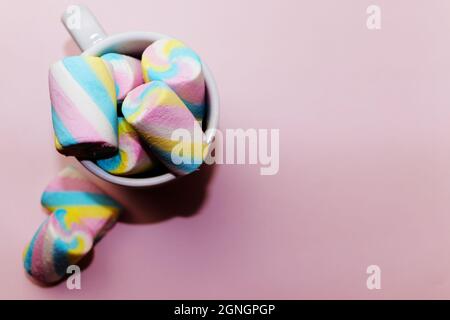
column 82, row 26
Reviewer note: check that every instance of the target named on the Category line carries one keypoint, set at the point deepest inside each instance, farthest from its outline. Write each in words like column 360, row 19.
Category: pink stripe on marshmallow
column 69, row 113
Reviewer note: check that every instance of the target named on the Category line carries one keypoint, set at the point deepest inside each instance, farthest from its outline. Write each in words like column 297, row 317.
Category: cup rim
column 212, row 118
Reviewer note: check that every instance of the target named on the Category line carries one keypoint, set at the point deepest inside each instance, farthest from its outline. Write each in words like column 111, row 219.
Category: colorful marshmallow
column 172, row 62
column 165, row 123
column 81, row 215
column 61, row 240
column 81, row 198
column 127, row 72
column 131, row 158
column 84, row 107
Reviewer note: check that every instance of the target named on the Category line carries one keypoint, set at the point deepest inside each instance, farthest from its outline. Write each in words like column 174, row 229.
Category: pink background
column 364, row 177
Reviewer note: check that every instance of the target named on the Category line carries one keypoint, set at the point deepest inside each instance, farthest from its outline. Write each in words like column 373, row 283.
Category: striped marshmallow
column 84, row 107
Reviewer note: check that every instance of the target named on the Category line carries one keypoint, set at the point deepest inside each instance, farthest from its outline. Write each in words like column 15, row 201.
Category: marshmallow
column 131, row 158
column 127, row 72
column 82, row 214
column 84, row 107
column 82, row 199
column 61, row 240
column 172, row 62
column 156, row 112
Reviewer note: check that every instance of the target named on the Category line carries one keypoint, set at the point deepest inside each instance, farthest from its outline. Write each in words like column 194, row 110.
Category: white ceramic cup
column 92, row 39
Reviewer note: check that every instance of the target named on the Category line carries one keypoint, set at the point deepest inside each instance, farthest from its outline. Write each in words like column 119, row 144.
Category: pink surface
column 364, row 177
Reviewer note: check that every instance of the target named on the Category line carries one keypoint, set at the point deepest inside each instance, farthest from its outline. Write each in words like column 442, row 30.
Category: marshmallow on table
column 81, row 198
column 156, row 113
column 84, row 107
column 131, row 158
column 61, row 240
column 172, row 62
column 81, row 215
column 127, row 72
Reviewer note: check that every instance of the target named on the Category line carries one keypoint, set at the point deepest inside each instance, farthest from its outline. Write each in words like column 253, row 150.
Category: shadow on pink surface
column 182, row 197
